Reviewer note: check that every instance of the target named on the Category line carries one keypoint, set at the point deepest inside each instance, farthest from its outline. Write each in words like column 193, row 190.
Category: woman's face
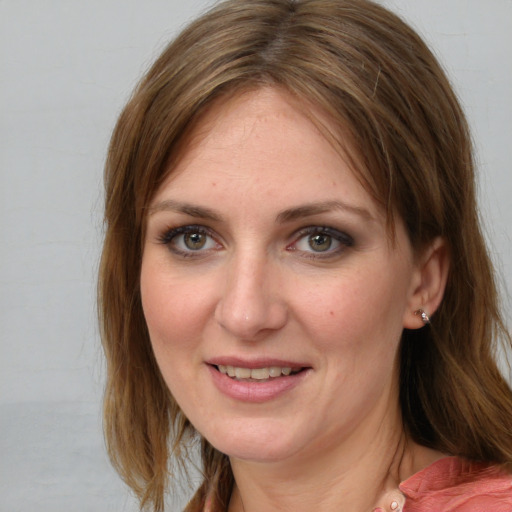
column 274, row 299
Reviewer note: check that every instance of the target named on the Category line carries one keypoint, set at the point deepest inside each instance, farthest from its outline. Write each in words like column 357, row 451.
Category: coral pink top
column 452, row 484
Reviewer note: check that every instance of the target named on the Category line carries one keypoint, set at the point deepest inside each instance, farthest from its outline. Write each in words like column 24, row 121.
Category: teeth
column 260, row 373
column 243, row 373
column 275, row 371
column 254, row 373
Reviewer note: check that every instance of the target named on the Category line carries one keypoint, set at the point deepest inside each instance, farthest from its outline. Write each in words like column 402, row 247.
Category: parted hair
column 376, row 80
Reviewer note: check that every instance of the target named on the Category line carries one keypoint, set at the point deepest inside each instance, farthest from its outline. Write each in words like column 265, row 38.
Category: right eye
column 187, row 240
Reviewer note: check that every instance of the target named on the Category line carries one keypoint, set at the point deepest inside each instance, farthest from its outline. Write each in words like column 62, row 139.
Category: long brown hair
column 376, row 79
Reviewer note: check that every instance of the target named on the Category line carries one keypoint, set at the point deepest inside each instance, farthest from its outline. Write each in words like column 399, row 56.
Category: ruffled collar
column 450, row 482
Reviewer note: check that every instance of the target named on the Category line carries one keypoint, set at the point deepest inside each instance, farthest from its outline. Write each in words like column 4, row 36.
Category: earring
column 424, row 316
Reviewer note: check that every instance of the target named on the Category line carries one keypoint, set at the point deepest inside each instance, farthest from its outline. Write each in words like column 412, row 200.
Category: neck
column 353, row 476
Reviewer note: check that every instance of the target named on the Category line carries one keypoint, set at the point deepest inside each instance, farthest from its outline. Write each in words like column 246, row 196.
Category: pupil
column 194, row 241
column 320, row 242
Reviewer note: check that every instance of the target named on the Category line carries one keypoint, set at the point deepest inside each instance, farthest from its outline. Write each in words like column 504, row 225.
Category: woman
column 293, row 270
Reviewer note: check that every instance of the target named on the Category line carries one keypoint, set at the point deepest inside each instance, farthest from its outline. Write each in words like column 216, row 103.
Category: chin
column 256, row 443
column 261, row 453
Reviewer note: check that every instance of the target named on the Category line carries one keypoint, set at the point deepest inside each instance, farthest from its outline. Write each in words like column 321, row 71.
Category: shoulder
column 453, row 484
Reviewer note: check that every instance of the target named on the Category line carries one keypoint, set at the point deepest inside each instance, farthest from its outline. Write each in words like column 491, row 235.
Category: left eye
column 322, row 240
column 319, row 242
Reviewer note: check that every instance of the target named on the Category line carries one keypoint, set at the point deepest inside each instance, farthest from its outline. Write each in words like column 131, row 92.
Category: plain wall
column 67, row 67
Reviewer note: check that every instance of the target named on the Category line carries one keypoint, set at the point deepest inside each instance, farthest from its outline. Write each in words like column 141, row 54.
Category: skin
column 262, row 288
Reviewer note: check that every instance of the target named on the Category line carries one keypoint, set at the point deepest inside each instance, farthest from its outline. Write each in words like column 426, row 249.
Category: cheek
column 355, row 311
column 171, row 311
column 171, row 307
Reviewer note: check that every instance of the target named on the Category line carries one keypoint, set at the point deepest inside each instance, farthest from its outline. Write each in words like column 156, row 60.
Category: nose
column 251, row 304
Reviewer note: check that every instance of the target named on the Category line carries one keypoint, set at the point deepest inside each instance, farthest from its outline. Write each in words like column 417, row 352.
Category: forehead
column 269, row 139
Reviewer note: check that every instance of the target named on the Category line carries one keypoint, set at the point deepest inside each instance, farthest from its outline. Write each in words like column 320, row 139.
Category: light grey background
column 66, row 69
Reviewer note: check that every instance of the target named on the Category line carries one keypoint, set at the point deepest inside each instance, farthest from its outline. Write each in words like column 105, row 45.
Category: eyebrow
column 186, row 208
column 289, row 215
column 309, row 210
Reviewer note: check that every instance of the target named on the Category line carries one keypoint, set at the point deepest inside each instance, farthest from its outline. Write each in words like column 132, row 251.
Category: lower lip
column 253, row 391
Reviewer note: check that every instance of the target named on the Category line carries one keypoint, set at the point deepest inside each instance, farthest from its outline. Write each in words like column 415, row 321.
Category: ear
column 428, row 283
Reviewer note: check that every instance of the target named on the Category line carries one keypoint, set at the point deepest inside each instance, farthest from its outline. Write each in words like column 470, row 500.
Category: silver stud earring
column 424, row 316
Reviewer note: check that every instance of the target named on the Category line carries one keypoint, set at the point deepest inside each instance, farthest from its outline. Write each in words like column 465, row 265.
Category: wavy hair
column 376, row 79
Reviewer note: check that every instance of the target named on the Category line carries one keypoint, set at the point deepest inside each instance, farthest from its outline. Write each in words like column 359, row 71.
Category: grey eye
column 195, row 241
column 320, row 242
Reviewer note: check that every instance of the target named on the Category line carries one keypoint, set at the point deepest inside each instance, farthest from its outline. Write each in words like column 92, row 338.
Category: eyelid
column 171, row 233
column 343, row 238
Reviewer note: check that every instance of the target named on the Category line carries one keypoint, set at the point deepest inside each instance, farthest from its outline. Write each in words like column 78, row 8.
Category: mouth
column 264, row 374
column 256, row 381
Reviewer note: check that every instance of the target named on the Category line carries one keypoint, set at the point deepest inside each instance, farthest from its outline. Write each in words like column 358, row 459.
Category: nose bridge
column 251, row 302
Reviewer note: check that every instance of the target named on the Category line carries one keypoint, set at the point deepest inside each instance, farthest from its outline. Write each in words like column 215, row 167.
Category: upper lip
column 265, row 362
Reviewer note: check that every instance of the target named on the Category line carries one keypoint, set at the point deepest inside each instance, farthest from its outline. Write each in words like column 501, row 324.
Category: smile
column 256, row 374
column 263, row 382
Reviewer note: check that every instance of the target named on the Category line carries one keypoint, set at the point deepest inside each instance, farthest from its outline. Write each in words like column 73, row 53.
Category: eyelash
column 344, row 240
column 169, row 236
